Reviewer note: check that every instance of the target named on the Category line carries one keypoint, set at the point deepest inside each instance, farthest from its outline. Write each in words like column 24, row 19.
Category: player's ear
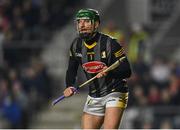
column 96, row 24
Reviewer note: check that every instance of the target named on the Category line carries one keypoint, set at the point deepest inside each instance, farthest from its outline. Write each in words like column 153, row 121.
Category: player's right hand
column 69, row 91
column 102, row 73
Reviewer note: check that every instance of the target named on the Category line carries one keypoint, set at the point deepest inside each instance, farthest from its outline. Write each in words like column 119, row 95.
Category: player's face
column 85, row 26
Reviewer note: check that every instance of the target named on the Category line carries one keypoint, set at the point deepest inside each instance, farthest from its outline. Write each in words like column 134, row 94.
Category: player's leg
column 113, row 116
column 93, row 115
column 91, row 121
column 115, row 104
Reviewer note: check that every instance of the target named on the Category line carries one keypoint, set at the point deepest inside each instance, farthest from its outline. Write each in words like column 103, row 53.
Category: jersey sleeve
column 123, row 70
column 73, row 64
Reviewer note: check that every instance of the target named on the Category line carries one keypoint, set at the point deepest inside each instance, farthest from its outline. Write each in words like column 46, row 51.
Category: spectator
column 160, row 73
column 166, row 124
column 19, row 30
column 138, row 97
column 22, row 100
column 165, row 98
column 137, row 39
column 153, row 96
column 112, row 30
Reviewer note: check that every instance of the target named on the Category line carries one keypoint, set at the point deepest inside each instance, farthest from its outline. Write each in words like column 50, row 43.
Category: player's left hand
column 102, row 73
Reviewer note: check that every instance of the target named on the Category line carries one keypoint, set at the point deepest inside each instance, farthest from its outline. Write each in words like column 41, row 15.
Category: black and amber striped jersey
column 101, row 48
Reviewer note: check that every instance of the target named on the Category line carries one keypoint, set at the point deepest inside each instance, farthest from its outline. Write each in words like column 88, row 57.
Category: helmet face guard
column 90, row 14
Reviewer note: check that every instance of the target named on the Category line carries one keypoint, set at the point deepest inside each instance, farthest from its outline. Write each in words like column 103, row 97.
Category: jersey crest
column 103, row 54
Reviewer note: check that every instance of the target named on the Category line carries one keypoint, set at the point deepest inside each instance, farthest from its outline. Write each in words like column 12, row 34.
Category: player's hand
column 102, row 73
column 69, row 91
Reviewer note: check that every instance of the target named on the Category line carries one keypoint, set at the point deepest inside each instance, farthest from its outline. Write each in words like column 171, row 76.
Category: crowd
column 23, row 91
column 26, row 26
column 156, row 85
column 23, row 20
column 32, row 19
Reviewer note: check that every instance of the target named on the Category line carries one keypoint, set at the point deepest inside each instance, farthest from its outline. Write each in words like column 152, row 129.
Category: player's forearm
column 122, row 71
column 70, row 78
column 71, row 72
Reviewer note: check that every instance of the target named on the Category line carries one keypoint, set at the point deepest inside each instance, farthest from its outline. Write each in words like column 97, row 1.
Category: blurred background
column 35, row 36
